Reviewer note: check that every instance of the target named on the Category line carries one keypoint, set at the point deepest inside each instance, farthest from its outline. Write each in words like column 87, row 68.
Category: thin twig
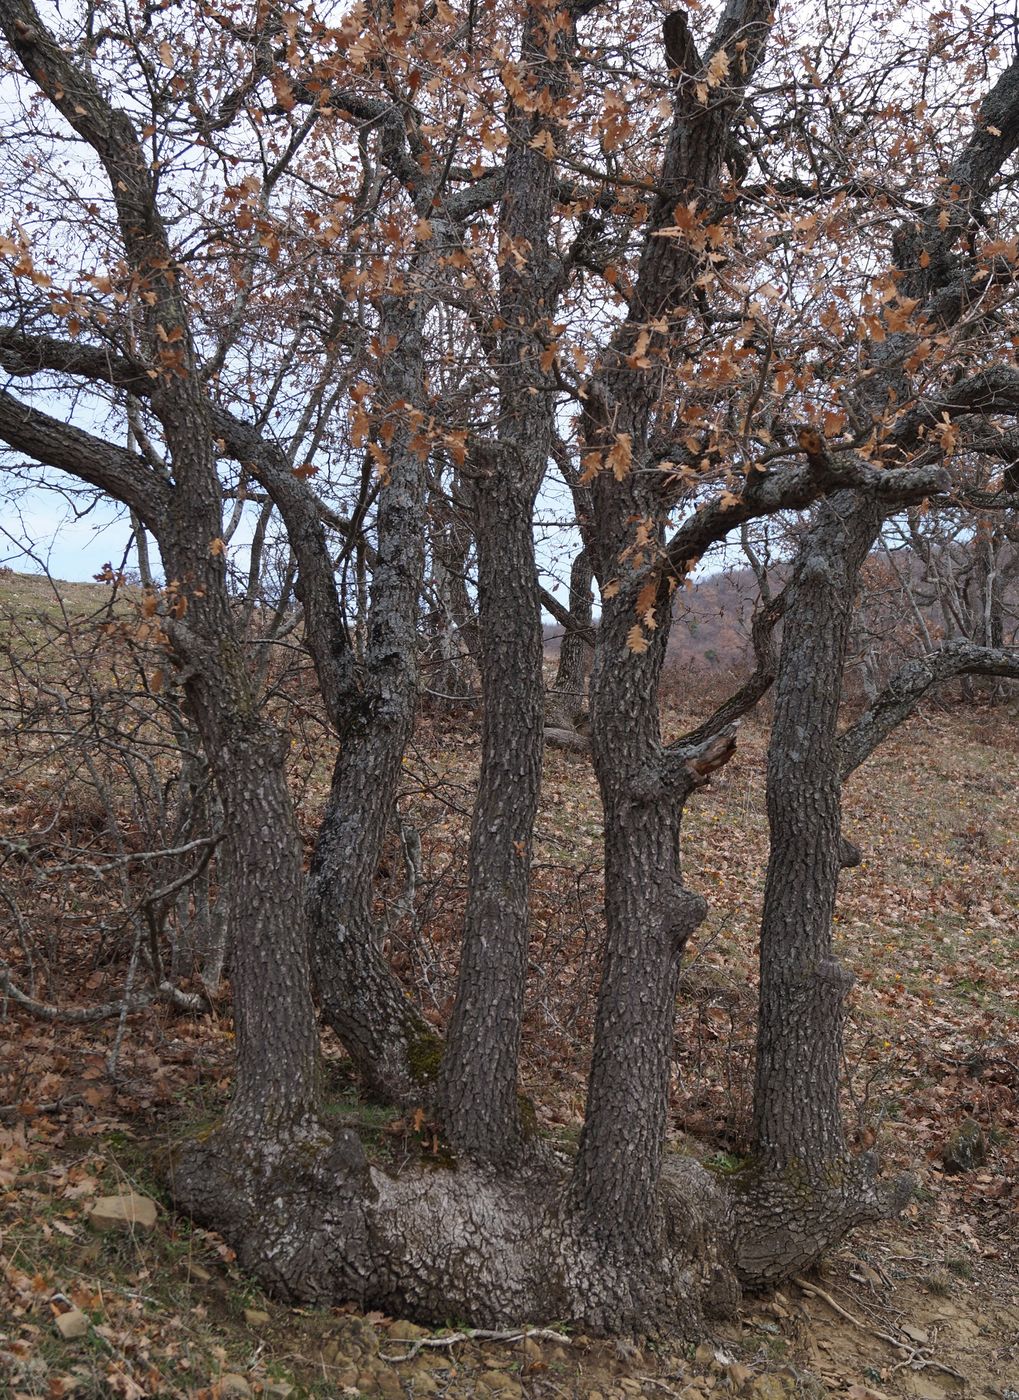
column 914, row 1354
column 475, row 1334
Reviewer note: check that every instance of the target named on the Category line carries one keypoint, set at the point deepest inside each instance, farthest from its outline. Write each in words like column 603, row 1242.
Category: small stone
column 768, row 1388
column 72, row 1324
column 423, row 1382
column 406, row 1331
column 501, row 1384
column 255, row 1317
column 738, row 1374
column 966, row 1148
column 232, row 1387
column 915, row 1334
column 347, row 1377
column 126, row 1211
column 631, row 1386
column 277, row 1390
column 388, row 1384
column 532, row 1349
column 704, row 1355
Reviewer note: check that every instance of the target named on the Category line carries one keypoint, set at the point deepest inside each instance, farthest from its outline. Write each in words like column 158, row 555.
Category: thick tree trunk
column 274, row 1019
column 803, row 1190
column 480, row 1108
column 392, row 1046
column 649, row 917
column 495, row 1249
column 479, row 1070
column 649, row 914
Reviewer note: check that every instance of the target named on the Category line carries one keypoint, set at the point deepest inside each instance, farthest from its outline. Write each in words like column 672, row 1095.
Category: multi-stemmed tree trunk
column 619, row 1242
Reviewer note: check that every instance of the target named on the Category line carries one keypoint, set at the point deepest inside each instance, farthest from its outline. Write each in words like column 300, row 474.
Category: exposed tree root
column 783, row 1223
column 314, row 1222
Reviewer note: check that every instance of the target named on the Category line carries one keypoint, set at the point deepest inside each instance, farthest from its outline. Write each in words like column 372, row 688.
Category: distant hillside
column 711, row 620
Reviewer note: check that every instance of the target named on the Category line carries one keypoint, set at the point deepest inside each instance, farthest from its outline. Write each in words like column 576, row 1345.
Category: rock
column 125, row 1211
column 915, row 1334
column 966, row 1148
column 532, row 1349
column 277, row 1390
column 499, row 1383
column 255, row 1317
column 704, row 1355
column 72, row 1324
column 346, row 1378
column 389, row 1385
column 406, row 1331
column 231, row 1387
column 768, row 1388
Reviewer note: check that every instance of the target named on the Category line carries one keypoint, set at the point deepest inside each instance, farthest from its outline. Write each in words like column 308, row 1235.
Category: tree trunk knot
column 836, row 975
column 689, row 910
column 849, row 853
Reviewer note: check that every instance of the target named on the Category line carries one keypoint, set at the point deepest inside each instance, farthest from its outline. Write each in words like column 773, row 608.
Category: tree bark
column 495, row 1248
column 392, row 1046
column 649, row 913
column 478, row 1081
column 277, row 1039
column 649, row 916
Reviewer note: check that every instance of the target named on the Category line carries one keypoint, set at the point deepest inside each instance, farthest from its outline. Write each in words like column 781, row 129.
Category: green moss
column 528, row 1115
column 726, row 1163
column 424, row 1056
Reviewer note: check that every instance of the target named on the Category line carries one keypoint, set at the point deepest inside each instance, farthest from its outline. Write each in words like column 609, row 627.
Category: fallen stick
column 914, row 1355
column 476, row 1334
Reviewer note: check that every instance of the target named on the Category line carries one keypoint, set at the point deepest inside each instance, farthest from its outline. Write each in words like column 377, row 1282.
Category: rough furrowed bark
column 478, row 1077
column 276, row 1053
column 649, row 917
column 276, row 1033
column 317, row 1223
column 392, row 1046
column 479, row 1072
column 649, row 913
column 784, row 1223
column 803, row 1190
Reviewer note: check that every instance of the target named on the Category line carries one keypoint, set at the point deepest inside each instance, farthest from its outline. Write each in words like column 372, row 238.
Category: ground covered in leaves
column 927, row 1308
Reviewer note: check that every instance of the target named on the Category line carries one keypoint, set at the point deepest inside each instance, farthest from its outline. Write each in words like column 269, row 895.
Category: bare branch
column 910, row 684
